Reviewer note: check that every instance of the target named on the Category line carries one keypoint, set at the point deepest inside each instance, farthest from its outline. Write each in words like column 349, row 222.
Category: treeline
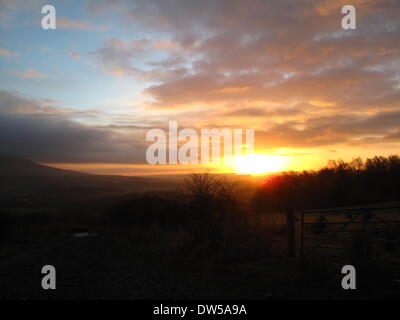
column 340, row 183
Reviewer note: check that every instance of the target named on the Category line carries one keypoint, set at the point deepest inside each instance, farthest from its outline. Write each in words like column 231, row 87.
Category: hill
column 27, row 183
column 13, row 166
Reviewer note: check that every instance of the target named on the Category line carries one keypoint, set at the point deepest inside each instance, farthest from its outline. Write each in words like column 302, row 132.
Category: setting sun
column 258, row 164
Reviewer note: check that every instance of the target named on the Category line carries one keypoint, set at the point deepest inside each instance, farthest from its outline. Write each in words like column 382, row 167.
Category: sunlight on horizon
column 256, row 164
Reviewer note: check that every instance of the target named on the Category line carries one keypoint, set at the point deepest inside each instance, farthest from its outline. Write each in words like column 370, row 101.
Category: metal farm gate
column 360, row 236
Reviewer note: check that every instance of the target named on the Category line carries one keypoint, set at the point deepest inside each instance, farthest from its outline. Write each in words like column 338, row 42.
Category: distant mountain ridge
column 18, row 166
column 18, row 174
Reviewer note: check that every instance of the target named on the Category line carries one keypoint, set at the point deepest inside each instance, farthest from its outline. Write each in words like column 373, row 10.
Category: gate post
column 290, row 226
column 302, row 235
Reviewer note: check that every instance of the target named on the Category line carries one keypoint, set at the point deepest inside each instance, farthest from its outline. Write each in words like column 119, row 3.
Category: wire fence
column 368, row 236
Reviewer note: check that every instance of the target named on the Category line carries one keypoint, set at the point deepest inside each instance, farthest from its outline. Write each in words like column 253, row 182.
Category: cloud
column 8, row 54
column 285, row 68
column 26, row 74
column 263, row 112
column 74, row 55
column 12, row 102
column 277, row 51
column 319, row 103
column 30, row 130
column 68, row 23
column 10, row 9
column 345, row 130
column 118, row 56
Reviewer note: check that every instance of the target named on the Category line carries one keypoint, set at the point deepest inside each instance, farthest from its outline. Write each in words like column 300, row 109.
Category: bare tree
column 210, row 197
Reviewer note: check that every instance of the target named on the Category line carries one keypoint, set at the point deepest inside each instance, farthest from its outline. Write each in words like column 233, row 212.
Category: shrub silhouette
column 147, row 210
column 210, row 198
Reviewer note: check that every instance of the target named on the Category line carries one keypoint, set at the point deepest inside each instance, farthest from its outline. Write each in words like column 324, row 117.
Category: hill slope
column 24, row 179
column 11, row 166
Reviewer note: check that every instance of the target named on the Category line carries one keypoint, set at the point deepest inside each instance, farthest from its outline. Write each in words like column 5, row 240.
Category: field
column 158, row 263
column 202, row 238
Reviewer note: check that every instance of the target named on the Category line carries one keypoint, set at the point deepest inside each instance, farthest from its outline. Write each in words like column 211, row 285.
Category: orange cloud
column 67, row 23
column 27, row 74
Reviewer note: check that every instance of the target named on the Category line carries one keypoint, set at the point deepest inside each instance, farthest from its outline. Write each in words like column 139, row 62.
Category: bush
column 148, row 210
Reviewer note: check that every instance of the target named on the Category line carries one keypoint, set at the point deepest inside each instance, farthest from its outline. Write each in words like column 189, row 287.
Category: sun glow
column 258, row 164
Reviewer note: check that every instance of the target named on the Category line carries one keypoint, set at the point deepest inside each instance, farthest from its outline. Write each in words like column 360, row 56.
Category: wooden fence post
column 290, row 225
column 302, row 236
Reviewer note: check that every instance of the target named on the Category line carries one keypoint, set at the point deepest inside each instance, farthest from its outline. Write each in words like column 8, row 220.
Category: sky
column 83, row 96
